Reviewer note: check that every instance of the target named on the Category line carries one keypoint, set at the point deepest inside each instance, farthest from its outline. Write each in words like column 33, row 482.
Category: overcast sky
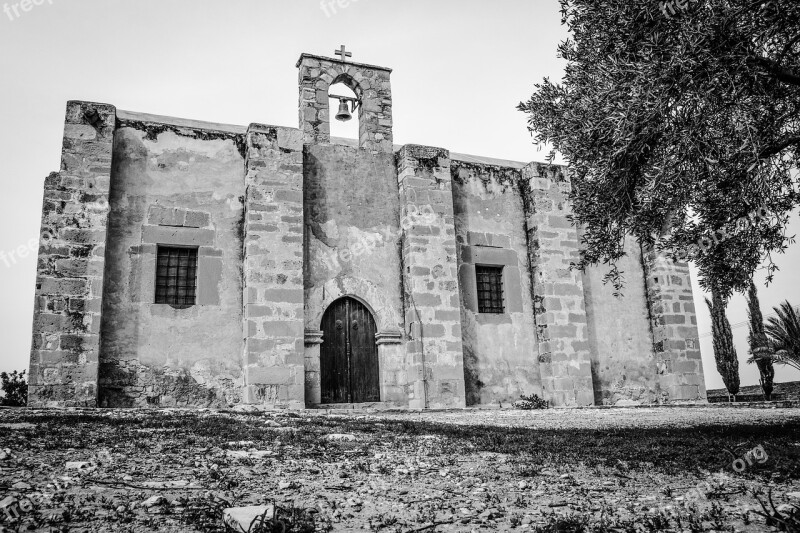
column 460, row 68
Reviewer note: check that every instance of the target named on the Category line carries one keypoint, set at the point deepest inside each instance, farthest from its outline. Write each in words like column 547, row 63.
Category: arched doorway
column 349, row 354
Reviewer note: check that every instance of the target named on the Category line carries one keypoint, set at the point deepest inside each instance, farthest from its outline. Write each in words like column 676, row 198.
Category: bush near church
column 15, row 389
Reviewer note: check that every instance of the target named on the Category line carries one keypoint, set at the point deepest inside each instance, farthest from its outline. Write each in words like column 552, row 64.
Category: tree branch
column 789, row 46
column 778, row 147
column 778, row 72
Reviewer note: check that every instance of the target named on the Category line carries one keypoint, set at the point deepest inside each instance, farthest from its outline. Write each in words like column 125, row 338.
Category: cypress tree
column 724, row 350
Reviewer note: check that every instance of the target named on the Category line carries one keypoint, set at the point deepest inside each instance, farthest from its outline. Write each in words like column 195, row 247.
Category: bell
column 344, row 111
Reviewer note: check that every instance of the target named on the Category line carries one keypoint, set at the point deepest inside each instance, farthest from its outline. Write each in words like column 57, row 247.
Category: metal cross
column 345, row 54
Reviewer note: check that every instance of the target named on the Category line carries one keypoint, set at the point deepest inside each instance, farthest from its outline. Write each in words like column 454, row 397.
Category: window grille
column 176, row 276
column 490, row 289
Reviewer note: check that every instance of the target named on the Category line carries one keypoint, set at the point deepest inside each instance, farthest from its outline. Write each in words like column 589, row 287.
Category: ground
column 633, row 469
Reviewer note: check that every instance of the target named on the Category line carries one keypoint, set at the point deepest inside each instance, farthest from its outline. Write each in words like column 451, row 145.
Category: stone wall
column 70, row 270
column 273, row 268
column 352, row 221
column 674, row 325
column 431, row 292
column 173, row 185
column 558, row 295
column 500, row 350
column 623, row 366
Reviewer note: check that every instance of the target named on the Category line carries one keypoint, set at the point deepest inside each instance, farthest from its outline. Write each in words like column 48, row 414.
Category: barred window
column 490, row 289
column 176, row 276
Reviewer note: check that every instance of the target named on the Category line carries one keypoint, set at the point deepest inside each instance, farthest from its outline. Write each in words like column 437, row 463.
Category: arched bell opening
column 344, row 105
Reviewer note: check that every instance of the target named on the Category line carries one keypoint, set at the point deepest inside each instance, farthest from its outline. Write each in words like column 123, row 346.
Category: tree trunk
column 724, row 350
column 759, row 343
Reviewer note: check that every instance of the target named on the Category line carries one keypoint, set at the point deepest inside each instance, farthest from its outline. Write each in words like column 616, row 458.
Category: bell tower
column 373, row 100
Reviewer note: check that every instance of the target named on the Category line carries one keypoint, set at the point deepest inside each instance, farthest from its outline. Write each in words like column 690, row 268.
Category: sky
column 460, row 69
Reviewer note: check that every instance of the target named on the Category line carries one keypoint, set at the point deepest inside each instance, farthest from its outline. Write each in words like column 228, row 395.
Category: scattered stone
column 21, row 485
column 18, row 425
column 283, row 485
column 154, row 501
column 522, row 485
column 793, row 495
column 489, row 514
column 80, row 465
column 241, row 518
column 8, row 503
column 241, row 444
column 348, row 437
column 165, row 484
column 248, row 454
column 246, row 408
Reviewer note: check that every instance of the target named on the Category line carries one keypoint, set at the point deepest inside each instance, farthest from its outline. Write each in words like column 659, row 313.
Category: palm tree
column 724, row 350
column 760, row 351
column 784, row 335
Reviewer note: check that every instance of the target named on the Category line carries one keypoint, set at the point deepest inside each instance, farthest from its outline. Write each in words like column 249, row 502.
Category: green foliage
column 760, row 351
column 531, row 402
column 675, row 127
column 688, row 519
column 289, row 519
column 784, row 334
column 205, row 513
column 724, row 349
column 15, row 389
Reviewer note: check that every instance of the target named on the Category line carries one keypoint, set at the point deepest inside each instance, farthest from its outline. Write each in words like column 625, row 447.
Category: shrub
column 530, row 402
column 15, row 389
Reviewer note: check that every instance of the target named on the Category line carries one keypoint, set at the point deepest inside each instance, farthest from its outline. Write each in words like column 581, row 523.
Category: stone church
column 186, row 263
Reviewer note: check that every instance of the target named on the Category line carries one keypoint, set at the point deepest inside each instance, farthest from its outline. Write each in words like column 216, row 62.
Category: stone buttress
column 273, row 268
column 430, row 271
column 674, row 326
column 70, row 271
column 558, row 294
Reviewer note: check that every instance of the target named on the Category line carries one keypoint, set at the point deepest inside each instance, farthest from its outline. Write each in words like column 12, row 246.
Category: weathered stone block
column 270, row 376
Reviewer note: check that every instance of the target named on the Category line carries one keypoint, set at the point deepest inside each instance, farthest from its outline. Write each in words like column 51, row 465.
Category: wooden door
column 349, row 355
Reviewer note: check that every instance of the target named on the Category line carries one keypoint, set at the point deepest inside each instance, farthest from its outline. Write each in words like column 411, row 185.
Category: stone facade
column 286, row 222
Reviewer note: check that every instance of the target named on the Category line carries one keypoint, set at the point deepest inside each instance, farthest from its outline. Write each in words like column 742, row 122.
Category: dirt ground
column 637, row 469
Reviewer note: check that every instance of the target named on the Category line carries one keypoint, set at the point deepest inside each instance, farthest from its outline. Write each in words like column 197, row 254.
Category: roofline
column 132, row 116
column 354, row 63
